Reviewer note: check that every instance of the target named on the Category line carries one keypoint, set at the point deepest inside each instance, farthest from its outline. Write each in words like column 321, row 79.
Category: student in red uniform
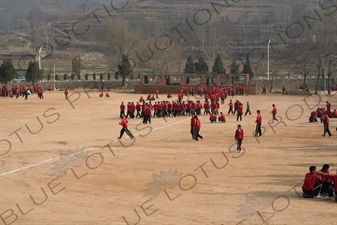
column 122, row 110
column 238, row 137
column 327, row 184
column 274, row 112
column 192, row 126
column 258, row 122
column 333, row 178
column 328, row 106
column 101, row 95
column 157, row 92
column 312, row 185
column 230, row 107
column 107, row 95
column 222, row 118
column 108, row 87
column 66, row 92
column 196, row 130
column 284, row 90
column 326, row 121
column 239, row 111
column 212, row 118
column 248, row 109
column 169, row 95
column 264, row 90
column 124, row 124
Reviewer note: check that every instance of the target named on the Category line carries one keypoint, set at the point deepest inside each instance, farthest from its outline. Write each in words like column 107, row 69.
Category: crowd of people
column 21, row 91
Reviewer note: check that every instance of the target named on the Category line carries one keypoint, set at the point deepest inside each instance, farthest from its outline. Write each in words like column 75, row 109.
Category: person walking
column 196, row 130
column 124, row 124
column 274, row 112
column 248, row 109
column 264, row 90
column 238, row 137
column 326, row 122
column 258, row 122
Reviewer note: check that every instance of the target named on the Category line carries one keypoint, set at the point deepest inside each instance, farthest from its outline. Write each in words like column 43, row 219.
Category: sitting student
column 222, row 118
column 313, row 117
column 107, row 95
column 333, row 178
column 11, row 94
column 327, row 185
column 169, row 95
column 312, row 185
column 101, row 95
column 212, row 118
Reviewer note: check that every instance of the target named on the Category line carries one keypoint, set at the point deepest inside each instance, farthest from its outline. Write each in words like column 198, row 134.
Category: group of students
column 316, row 183
column 17, row 91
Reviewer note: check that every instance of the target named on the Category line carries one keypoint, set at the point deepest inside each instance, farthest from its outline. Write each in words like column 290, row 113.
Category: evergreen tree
column 7, row 71
column 86, row 77
column 33, row 73
column 201, row 66
column 72, row 76
column 78, row 76
column 56, row 77
column 109, row 76
column 76, row 65
column 124, row 69
column 218, row 66
column 234, row 67
column 65, row 76
column 247, row 69
column 189, row 66
column 48, row 77
column 101, row 76
column 94, row 76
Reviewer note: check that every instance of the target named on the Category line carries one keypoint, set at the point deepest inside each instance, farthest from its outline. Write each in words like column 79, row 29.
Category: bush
column 65, row 77
column 116, row 75
column 86, row 76
column 56, row 77
column 109, row 76
column 78, row 76
column 72, row 76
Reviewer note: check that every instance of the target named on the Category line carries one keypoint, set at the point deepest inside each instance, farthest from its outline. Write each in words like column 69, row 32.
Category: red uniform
column 239, row 134
column 310, row 181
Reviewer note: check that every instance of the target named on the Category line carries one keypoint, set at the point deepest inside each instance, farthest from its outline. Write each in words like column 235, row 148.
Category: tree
column 234, row 67
column 86, row 76
column 7, row 71
column 124, row 69
column 76, row 65
column 101, row 76
column 65, row 76
column 120, row 39
column 248, row 69
column 78, row 76
column 72, row 76
column 56, row 77
column 190, row 65
column 94, row 76
column 33, row 73
column 218, row 66
column 201, row 66
column 109, row 76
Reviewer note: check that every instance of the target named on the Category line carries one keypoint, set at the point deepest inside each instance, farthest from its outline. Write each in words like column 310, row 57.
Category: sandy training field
column 61, row 163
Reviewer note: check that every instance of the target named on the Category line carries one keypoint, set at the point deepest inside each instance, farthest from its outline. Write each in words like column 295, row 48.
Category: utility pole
column 40, row 56
column 54, row 66
column 268, row 58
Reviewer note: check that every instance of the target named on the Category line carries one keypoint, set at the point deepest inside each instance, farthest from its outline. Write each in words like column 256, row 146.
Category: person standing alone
column 274, row 112
column 258, row 122
column 196, row 130
column 238, row 137
column 326, row 122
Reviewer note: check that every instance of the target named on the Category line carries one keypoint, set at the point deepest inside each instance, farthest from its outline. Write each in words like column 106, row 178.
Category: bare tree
column 212, row 39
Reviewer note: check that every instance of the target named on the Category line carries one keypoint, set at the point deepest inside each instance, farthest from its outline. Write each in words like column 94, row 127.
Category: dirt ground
column 61, row 163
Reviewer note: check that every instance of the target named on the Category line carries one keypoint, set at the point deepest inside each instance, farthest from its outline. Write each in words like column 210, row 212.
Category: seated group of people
column 314, row 115
column 221, row 118
column 320, row 182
